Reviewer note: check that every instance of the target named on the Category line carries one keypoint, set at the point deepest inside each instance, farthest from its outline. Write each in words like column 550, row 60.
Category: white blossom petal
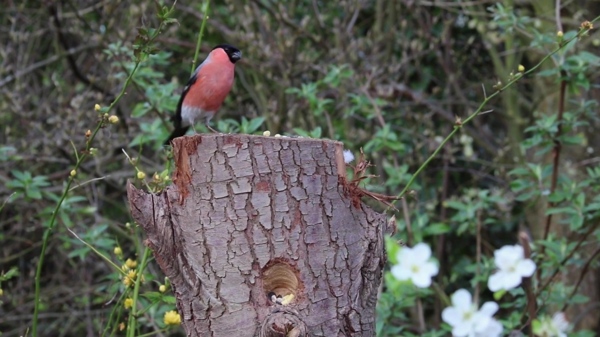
column 461, row 300
column 495, row 281
column 401, row 272
column 489, row 308
column 559, row 320
column 481, row 322
column 451, row 316
column 526, row 268
column 511, row 280
column 422, row 252
column 493, row 329
column 421, row 280
column 430, row 269
column 401, row 256
column 461, row 330
column 519, row 251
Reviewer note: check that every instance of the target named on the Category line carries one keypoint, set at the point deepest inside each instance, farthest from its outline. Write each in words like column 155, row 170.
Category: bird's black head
column 233, row 53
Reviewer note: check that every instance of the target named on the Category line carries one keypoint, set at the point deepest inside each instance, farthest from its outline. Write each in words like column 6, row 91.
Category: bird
column 206, row 90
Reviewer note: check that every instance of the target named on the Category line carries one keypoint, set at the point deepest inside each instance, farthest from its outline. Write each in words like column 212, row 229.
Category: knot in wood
column 283, row 324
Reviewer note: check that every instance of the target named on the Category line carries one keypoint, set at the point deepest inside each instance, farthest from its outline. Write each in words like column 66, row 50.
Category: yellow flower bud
column 73, row 173
column 141, row 175
column 97, row 107
column 162, row 288
column 267, row 133
column 521, row 68
column 129, row 279
column 128, row 303
column 118, row 251
column 172, row 318
column 131, row 263
column 113, row 119
column 559, row 34
column 587, row 25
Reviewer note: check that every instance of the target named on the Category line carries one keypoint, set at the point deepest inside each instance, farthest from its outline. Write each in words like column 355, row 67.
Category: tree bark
column 262, row 236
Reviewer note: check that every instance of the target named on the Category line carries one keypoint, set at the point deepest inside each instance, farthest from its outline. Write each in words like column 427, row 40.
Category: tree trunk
column 263, row 236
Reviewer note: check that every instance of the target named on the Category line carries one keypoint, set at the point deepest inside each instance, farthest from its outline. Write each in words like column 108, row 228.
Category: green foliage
column 27, row 186
column 245, row 126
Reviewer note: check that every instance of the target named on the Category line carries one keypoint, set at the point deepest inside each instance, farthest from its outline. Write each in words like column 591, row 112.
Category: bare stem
column 200, row 34
column 136, row 290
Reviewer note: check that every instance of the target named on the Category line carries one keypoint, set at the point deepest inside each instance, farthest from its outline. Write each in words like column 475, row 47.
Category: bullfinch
column 206, row 90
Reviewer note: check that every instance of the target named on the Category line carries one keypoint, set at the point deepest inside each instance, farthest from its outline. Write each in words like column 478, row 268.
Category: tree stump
column 261, row 236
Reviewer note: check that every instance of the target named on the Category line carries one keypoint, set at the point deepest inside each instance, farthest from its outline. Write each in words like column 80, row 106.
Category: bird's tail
column 178, row 132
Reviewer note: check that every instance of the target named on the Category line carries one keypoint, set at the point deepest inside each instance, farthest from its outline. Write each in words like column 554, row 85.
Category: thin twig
column 409, row 232
column 559, row 27
column 477, row 255
column 556, row 159
column 409, row 241
column 200, row 34
column 527, row 287
column 87, row 182
column 566, row 258
column 584, row 271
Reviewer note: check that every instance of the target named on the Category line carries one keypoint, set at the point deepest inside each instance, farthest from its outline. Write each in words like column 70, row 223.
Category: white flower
column 512, row 266
column 466, row 320
column 494, row 329
column 348, row 156
column 555, row 327
column 559, row 321
column 414, row 264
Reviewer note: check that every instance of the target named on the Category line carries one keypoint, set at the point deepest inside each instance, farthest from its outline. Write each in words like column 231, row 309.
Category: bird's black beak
column 236, row 56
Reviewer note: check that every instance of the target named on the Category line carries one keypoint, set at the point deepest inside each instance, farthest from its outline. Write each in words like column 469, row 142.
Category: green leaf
column 140, row 110
column 454, row 205
column 560, row 210
column 169, row 299
column 436, row 229
column 392, row 247
column 549, row 72
column 255, row 124
column 589, row 58
column 153, row 296
column 12, row 272
column 572, row 140
column 33, row 193
column 499, row 294
column 23, row 176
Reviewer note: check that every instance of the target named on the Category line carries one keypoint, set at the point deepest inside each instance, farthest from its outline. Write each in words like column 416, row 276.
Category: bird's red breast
column 214, row 79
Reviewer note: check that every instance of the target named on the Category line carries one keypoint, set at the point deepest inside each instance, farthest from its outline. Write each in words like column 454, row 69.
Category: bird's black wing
column 180, row 130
